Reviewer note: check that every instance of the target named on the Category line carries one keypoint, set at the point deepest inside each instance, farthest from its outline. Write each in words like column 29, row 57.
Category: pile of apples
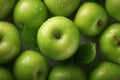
column 38, row 35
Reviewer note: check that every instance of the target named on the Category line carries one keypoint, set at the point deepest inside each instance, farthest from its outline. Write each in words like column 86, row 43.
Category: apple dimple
column 99, row 23
column 117, row 39
column 57, row 35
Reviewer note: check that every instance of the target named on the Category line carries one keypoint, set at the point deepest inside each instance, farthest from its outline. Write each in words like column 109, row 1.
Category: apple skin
column 62, row 7
column 5, row 74
column 67, row 71
column 91, row 19
column 5, row 7
column 113, row 8
column 30, row 13
column 109, row 43
column 10, row 42
column 58, row 38
column 106, row 71
column 31, row 65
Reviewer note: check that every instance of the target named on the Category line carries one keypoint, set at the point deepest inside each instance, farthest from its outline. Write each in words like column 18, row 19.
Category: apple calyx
column 99, row 23
column 57, row 35
column 117, row 39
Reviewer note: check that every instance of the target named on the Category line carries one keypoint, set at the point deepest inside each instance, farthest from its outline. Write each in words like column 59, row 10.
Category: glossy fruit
column 62, row 7
column 113, row 8
column 6, row 7
column 106, row 71
column 30, row 65
column 58, row 38
column 91, row 19
column 85, row 53
column 5, row 74
column 10, row 42
column 67, row 72
column 110, row 43
column 31, row 13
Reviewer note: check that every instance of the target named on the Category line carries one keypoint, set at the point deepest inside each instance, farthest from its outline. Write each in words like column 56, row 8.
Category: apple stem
column 118, row 40
column 99, row 23
column 57, row 35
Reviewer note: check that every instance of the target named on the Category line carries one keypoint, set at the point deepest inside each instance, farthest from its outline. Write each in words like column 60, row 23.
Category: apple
column 106, row 71
column 10, row 42
column 110, row 43
column 31, row 65
column 91, row 19
column 5, row 7
column 58, row 38
column 67, row 71
column 30, row 13
column 5, row 74
column 113, row 8
column 62, row 7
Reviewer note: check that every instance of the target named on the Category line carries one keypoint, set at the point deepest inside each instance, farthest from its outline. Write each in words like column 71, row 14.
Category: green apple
column 5, row 7
column 30, row 13
column 10, row 42
column 110, row 43
column 31, row 65
column 113, row 8
column 67, row 72
column 91, row 19
column 58, row 38
column 62, row 7
column 5, row 74
column 106, row 71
